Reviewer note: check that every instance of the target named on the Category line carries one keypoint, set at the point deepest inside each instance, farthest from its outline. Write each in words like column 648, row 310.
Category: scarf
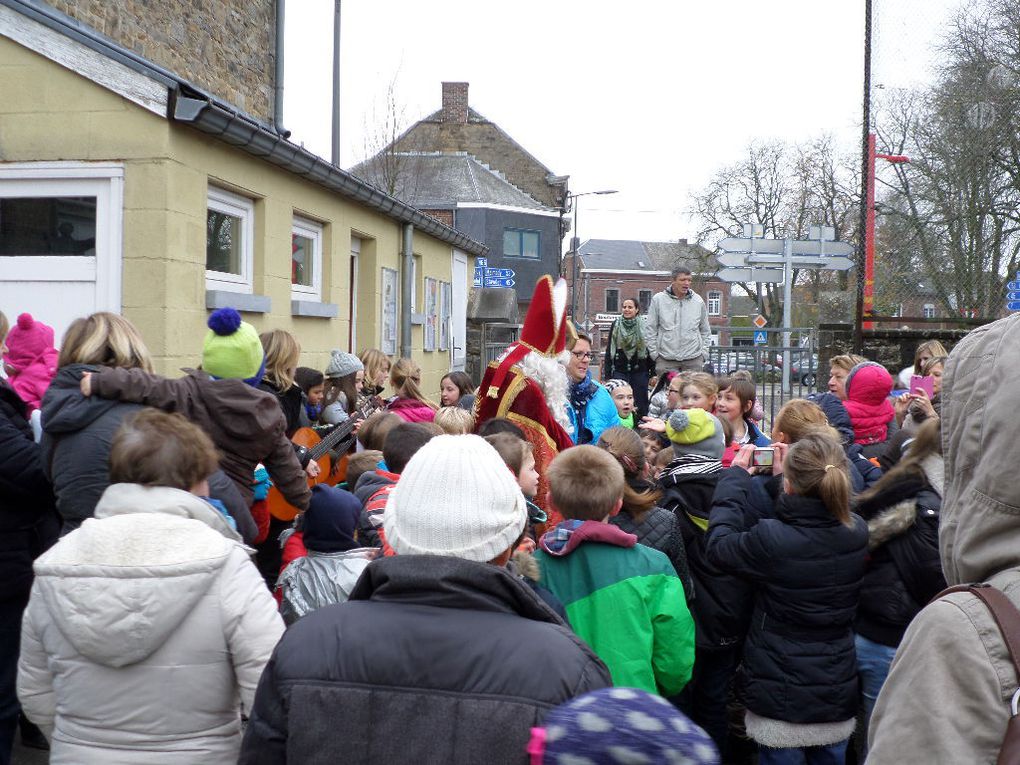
column 628, row 336
column 686, row 464
column 581, row 393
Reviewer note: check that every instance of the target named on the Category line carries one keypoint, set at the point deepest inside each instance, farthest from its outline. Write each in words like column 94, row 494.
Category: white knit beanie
column 455, row 497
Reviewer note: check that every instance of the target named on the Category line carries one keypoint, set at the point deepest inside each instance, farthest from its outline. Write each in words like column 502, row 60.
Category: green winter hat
column 232, row 348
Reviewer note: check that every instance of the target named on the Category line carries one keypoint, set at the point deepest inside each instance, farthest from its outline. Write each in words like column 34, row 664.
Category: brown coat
column 247, row 425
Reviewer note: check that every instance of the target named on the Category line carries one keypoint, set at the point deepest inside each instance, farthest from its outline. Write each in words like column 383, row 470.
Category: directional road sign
column 760, row 338
column 751, row 274
column 775, row 246
column 1013, row 285
column 481, row 262
column 1013, row 296
column 489, row 282
column 837, row 263
column 499, row 273
column 477, row 282
column 1013, row 305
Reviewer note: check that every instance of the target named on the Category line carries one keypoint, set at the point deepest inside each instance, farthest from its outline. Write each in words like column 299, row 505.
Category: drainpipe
column 336, row 84
column 281, row 12
column 406, row 286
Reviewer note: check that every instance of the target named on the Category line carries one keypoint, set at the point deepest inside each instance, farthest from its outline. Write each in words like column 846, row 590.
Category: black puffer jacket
column 660, row 530
column 28, row 521
column 904, row 571
column 722, row 601
column 432, row 660
column 799, row 660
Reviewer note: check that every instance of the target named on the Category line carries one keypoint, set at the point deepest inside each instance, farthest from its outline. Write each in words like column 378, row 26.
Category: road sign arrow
column 499, row 273
column 802, row 261
column 1013, row 296
column 1013, row 305
column 737, row 244
column 774, row 275
column 1013, row 286
column 734, row 259
column 499, row 282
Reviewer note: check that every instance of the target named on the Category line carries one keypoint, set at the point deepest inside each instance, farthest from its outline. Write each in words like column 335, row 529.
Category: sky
column 648, row 98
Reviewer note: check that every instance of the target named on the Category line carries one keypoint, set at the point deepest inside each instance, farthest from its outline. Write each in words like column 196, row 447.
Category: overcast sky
column 649, row 98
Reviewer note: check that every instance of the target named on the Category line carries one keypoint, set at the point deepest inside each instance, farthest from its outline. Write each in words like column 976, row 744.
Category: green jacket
column 623, row 599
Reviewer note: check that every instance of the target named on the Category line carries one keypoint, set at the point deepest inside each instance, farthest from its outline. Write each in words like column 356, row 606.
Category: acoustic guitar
column 340, row 439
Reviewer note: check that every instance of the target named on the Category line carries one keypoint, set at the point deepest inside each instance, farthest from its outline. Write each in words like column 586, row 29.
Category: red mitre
column 545, row 329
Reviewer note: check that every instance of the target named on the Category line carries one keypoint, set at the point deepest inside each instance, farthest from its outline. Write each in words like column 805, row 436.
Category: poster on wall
column 431, row 313
column 389, row 312
column 445, row 302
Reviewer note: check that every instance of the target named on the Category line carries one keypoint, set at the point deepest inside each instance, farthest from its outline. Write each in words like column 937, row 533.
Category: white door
column 60, row 240
column 458, row 312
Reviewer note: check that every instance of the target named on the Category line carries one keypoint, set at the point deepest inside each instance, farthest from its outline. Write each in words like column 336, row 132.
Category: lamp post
column 869, row 227
column 576, row 245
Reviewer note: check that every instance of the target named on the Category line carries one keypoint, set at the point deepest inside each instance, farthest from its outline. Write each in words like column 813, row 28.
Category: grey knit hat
column 695, row 431
column 342, row 364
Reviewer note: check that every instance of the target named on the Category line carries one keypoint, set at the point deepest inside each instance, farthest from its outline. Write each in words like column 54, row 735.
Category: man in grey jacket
column 947, row 697
column 677, row 332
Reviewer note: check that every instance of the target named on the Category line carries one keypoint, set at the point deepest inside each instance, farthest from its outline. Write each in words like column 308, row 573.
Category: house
column 143, row 172
column 609, row 270
column 465, row 171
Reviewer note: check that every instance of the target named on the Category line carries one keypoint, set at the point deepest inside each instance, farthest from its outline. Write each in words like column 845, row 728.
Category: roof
column 189, row 104
column 631, row 254
column 431, row 180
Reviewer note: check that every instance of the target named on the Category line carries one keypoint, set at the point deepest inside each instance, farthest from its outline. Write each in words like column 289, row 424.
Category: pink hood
column 412, row 410
column 867, row 401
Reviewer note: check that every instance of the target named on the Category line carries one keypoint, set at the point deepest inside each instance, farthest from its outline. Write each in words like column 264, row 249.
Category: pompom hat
column 695, row 431
column 232, row 348
column 27, row 341
column 342, row 364
column 455, row 497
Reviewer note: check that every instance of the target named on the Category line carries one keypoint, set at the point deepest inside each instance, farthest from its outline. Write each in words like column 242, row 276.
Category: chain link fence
column 943, row 105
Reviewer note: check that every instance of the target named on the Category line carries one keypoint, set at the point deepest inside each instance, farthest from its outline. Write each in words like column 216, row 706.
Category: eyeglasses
column 677, row 391
column 582, row 355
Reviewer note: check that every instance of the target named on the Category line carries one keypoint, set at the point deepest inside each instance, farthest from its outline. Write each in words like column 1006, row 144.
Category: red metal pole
column 869, row 238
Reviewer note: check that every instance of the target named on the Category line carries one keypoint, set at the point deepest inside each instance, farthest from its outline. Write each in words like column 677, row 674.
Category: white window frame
column 226, row 202
column 718, row 303
column 309, row 229
column 353, row 292
column 414, row 282
column 929, row 310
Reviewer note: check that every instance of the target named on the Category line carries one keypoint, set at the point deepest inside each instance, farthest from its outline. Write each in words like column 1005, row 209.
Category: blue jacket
column 865, row 471
column 600, row 414
column 757, row 437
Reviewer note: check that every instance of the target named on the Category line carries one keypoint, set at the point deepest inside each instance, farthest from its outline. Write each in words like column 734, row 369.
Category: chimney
column 455, row 102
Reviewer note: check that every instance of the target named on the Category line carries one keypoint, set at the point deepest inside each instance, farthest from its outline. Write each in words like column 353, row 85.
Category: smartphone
column 924, row 382
column 763, row 456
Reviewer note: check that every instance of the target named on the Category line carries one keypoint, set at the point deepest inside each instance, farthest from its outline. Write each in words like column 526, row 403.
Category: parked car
column 803, row 366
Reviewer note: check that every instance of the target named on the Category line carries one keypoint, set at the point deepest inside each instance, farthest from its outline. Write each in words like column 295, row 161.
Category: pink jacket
column 31, row 381
column 412, row 410
column 867, row 401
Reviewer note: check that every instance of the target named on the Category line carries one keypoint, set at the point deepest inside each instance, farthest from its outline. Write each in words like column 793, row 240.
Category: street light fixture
column 575, row 245
column 868, row 306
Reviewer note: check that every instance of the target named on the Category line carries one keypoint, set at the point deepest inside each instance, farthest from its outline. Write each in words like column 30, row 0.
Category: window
column 230, row 233
column 644, row 299
column 714, row 303
column 306, row 259
column 612, row 301
column 58, row 225
column 929, row 310
column 518, row 243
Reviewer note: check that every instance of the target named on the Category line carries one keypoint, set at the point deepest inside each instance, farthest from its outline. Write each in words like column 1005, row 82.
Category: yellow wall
column 50, row 113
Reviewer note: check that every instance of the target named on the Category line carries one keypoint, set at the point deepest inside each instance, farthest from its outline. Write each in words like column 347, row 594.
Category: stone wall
column 892, row 348
column 226, row 47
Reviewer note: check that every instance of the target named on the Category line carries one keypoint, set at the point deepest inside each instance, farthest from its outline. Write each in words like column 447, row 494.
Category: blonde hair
column 375, row 361
column 454, row 420
column 405, row 377
column 585, row 483
column 5, row 326
column 934, row 361
column 798, row 417
column 626, row 447
column 932, row 348
column 846, row 362
column 283, row 352
column 104, row 339
column 704, row 382
column 816, row 466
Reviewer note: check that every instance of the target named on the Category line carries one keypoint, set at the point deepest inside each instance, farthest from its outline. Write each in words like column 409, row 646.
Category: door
column 60, row 241
column 458, row 312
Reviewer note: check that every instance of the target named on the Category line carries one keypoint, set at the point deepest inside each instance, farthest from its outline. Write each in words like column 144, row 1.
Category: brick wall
column 443, row 216
column 226, row 47
column 455, row 102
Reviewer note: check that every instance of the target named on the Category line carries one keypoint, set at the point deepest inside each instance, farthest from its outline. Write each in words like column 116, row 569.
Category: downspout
column 336, row 84
column 281, row 12
column 406, row 286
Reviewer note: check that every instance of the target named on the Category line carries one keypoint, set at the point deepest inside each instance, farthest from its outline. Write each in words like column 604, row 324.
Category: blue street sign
column 760, row 337
column 1013, row 305
column 489, row 282
column 1013, row 285
column 1013, row 296
column 499, row 273
column 481, row 262
column 477, row 282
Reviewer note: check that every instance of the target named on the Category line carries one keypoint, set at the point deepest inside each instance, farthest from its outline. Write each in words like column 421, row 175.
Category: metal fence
column 496, row 338
column 942, row 110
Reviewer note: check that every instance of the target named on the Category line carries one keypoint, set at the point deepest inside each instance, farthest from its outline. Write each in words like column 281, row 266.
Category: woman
column 377, row 371
column 79, row 429
column 344, row 383
column 929, row 349
column 627, row 356
column 913, row 409
column 282, row 355
column 409, row 403
column 904, row 569
column 148, row 627
column 456, row 389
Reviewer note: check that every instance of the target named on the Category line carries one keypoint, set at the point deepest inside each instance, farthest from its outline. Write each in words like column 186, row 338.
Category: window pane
column 48, row 226
column 644, row 299
column 530, row 239
column 612, row 301
column 302, row 252
column 223, row 243
column 512, row 243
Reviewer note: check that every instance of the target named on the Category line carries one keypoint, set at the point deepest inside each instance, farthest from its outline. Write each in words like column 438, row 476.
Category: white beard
column 550, row 374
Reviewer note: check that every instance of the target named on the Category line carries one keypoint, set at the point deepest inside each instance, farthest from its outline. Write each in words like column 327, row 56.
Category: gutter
column 281, row 14
column 406, row 288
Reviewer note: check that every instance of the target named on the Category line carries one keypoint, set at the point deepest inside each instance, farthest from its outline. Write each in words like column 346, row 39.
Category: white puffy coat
column 147, row 630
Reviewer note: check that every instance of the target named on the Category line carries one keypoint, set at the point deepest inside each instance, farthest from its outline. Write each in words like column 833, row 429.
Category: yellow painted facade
column 50, row 113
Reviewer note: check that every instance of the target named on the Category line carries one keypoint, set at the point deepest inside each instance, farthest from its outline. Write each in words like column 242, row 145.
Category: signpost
column 489, row 282
column 759, row 321
column 750, row 274
column 492, row 277
column 1013, row 296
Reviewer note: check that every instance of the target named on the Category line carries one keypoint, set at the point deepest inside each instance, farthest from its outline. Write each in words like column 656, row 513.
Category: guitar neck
column 342, row 431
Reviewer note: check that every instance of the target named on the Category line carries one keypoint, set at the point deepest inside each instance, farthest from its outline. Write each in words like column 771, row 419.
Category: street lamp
column 869, row 227
column 575, row 245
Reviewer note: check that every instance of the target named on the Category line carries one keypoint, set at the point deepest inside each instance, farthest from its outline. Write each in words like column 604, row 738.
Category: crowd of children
column 433, row 613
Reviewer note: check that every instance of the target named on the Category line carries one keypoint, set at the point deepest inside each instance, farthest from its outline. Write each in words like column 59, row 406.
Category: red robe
column 521, row 400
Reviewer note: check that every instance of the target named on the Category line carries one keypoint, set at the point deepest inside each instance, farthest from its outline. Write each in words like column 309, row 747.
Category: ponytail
column 405, row 377
column 625, row 446
column 816, row 466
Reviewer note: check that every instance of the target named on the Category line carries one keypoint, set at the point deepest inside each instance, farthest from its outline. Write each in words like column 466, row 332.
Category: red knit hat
column 27, row 341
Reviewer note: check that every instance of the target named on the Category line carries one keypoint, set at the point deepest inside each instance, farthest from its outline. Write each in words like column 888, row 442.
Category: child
column 807, row 564
column 757, row 414
column 653, row 441
column 344, row 381
column 700, row 390
column 867, row 388
column 30, row 360
column 734, row 404
column 454, row 420
column 409, row 403
column 519, row 456
column 334, row 560
column 374, row 429
column 312, row 382
column 624, row 599
column 623, row 397
column 456, row 389
column 659, row 404
column 377, row 371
